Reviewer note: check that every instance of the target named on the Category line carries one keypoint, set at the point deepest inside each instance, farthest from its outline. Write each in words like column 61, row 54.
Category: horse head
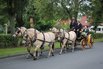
column 19, row 32
column 61, row 34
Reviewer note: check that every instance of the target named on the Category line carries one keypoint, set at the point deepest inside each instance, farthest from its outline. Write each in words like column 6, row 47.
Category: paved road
column 87, row 59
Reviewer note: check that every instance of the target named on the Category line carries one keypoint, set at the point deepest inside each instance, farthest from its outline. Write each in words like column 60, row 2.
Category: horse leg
column 63, row 45
column 52, row 49
column 41, row 52
column 28, row 50
column 36, row 52
column 75, row 44
column 66, row 47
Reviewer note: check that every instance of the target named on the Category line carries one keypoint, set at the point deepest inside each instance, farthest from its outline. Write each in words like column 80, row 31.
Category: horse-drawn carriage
column 40, row 39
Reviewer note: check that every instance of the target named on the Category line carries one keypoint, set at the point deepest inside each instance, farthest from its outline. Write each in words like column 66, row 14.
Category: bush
column 97, row 35
column 8, row 41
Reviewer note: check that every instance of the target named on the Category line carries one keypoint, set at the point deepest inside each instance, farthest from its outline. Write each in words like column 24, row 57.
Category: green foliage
column 7, row 41
column 47, row 11
column 44, row 25
column 98, row 36
column 44, row 8
column 97, row 14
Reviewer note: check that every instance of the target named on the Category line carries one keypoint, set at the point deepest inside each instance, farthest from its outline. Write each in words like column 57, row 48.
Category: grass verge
column 12, row 51
column 18, row 50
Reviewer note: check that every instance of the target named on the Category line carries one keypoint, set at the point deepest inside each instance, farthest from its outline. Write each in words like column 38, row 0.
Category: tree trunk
column 19, row 20
column 12, row 24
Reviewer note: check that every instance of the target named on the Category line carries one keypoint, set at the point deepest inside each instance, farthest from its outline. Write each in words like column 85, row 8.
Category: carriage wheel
column 90, row 42
column 83, row 43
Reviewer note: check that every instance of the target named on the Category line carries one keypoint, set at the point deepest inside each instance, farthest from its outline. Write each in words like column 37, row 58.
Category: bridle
column 19, row 32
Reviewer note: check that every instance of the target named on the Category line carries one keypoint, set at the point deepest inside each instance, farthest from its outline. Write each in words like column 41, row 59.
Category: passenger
column 85, row 32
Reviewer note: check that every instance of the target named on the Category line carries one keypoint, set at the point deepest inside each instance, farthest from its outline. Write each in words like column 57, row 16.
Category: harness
column 30, row 41
column 65, row 37
column 43, row 41
column 62, row 38
column 35, row 35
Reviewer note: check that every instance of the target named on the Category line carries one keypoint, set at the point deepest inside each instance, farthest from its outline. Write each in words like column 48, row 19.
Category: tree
column 97, row 14
column 13, row 11
column 74, row 7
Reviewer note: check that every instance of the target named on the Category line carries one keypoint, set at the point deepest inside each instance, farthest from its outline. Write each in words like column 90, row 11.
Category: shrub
column 97, row 35
column 8, row 41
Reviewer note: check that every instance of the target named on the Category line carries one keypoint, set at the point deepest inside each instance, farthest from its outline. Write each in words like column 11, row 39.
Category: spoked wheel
column 83, row 43
column 90, row 41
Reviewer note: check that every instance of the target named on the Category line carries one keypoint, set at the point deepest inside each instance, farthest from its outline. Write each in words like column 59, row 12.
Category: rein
column 65, row 37
column 43, row 41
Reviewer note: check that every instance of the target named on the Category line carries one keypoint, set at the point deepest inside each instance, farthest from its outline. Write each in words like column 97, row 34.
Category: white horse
column 65, row 38
column 41, row 40
column 22, row 32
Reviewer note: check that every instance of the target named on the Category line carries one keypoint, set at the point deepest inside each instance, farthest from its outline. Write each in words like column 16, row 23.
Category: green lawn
column 12, row 51
column 18, row 50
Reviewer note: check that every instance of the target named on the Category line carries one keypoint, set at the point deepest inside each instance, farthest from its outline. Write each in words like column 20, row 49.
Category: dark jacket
column 73, row 25
column 79, row 27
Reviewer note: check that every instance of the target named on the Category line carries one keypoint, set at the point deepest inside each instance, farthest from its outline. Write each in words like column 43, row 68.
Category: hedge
column 97, row 35
column 7, row 41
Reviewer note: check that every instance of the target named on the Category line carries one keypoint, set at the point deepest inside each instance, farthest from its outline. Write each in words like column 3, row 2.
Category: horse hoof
column 34, row 58
column 52, row 54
